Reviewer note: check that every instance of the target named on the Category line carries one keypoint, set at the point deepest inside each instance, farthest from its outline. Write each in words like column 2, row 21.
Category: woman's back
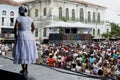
column 25, row 23
column 24, row 29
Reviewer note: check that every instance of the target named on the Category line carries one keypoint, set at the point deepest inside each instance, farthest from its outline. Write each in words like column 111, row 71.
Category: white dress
column 25, row 51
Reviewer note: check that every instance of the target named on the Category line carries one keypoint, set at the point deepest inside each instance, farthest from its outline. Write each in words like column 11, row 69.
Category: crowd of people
column 4, row 48
column 96, row 58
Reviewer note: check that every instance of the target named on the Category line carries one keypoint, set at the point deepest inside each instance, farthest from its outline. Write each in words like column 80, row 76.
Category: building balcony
column 56, row 18
column 101, row 22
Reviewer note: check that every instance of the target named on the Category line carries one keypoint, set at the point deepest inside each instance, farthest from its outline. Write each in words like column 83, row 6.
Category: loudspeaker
column 7, row 75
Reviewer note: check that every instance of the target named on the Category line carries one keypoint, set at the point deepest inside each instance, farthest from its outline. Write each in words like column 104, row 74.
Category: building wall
column 8, row 9
column 7, row 21
column 52, row 14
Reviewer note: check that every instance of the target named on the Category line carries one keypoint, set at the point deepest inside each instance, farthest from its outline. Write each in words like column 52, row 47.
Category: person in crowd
column 117, row 73
column 118, row 60
column 112, row 72
column 3, row 49
column 6, row 49
column 106, row 70
column 78, row 66
column 59, row 61
column 51, row 60
column 92, row 60
column 100, row 72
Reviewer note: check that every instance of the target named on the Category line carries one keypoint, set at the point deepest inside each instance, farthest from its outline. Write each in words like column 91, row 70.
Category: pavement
column 40, row 72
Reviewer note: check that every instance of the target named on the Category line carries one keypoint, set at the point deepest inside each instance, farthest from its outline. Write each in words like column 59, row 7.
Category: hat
column 22, row 9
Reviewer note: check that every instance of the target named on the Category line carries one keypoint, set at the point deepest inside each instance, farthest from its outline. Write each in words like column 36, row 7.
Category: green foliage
column 64, row 19
column 61, row 30
column 105, row 35
column 115, row 31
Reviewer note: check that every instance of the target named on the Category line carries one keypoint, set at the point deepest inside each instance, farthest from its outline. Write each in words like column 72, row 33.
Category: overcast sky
column 113, row 8
column 18, row 0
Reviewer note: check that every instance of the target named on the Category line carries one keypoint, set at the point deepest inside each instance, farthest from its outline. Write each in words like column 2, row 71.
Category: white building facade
column 47, row 12
column 8, row 15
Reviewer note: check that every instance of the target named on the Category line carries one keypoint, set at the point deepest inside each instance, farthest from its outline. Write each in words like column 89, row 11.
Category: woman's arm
column 15, row 29
column 33, row 27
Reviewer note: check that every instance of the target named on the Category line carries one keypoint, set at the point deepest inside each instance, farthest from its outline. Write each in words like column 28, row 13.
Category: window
column 45, row 32
column 81, row 14
column 67, row 30
column 93, row 32
column 74, row 30
column 11, row 13
column 4, row 12
column 3, row 21
column 36, row 32
column 98, row 32
column 11, row 21
column 45, row 12
column 107, row 30
column 60, row 13
column 73, row 14
column 94, row 17
column 36, row 12
column 89, row 16
column 67, row 13
column 98, row 18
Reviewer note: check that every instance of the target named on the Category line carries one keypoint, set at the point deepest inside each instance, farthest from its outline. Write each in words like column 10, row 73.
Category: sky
column 113, row 9
column 112, row 12
column 18, row 0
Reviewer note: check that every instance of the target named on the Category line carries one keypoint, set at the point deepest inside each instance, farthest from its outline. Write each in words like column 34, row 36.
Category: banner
column 70, row 37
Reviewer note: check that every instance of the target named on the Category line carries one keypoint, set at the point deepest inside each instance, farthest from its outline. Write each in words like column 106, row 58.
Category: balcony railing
column 56, row 18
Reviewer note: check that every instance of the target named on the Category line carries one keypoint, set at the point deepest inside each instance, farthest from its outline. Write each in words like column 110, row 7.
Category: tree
column 115, row 31
column 105, row 35
column 61, row 31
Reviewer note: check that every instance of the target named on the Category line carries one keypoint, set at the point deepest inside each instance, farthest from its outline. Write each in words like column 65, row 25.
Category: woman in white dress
column 24, row 51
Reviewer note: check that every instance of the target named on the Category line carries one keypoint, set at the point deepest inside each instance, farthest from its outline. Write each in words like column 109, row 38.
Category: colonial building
column 8, row 15
column 49, row 14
